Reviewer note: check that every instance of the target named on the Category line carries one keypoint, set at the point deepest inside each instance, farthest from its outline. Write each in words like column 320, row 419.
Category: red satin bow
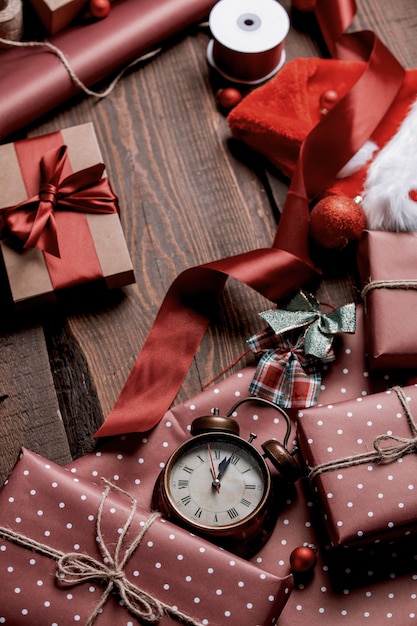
column 33, row 220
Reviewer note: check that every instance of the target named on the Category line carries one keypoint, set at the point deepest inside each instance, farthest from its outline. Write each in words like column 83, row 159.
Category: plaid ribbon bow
column 285, row 374
column 295, row 349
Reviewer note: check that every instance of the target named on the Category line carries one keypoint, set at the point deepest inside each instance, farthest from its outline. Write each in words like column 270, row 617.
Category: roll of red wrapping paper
column 33, row 81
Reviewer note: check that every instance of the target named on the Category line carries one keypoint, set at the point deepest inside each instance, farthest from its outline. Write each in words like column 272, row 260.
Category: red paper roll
column 34, row 81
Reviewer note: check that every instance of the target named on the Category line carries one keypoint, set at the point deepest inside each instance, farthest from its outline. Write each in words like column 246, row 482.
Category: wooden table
column 188, row 195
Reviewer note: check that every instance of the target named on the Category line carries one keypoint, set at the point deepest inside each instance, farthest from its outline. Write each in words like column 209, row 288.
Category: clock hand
column 216, row 481
column 223, row 465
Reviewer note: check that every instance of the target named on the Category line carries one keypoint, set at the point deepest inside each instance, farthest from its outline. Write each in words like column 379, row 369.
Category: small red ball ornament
column 99, row 8
column 228, row 97
column 303, row 559
column 337, row 220
column 327, row 100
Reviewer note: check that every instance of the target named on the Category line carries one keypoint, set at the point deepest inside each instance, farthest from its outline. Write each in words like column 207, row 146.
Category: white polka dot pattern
column 54, row 507
column 371, row 500
column 351, row 591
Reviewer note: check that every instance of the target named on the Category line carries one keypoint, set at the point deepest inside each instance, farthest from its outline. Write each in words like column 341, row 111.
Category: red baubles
column 337, row 220
column 228, row 98
column 303, row 559
column 99, row 8
column 327, row 100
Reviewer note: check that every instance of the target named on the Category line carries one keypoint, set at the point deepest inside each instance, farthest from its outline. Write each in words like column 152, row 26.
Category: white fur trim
column 391, row 176
column 359, row 159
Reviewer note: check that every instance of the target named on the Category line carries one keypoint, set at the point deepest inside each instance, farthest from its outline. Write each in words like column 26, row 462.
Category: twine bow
column 74, row 568
column 303, row 312
column 381, row 454
column 33, row 220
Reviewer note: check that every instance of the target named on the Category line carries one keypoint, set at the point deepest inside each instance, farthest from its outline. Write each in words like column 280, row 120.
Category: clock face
column 217, row 481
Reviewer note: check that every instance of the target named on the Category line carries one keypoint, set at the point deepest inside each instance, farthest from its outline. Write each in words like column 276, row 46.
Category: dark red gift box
column 362, row 463
column 70, row 553
column 89, row 244
column 387, row 266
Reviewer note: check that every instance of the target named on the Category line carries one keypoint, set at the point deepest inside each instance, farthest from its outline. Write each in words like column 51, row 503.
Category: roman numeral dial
column 216, row 480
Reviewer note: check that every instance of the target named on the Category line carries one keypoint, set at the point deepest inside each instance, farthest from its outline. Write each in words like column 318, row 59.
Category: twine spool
column 11, row 19
column 248, row 39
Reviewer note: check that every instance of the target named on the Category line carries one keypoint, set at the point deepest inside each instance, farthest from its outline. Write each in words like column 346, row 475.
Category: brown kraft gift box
column 95, row 234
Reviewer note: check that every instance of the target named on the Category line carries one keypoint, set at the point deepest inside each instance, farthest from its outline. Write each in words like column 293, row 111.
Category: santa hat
column 275, row 118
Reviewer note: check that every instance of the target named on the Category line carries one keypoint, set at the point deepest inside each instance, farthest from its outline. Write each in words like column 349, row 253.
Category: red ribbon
column 33, row 221
column 275, row 273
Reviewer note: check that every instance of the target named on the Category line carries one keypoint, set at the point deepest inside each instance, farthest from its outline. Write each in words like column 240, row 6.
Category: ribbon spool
column 248, row 39
column 11, row 19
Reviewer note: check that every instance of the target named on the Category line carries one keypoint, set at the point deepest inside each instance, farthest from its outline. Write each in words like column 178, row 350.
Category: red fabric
column 183, row 317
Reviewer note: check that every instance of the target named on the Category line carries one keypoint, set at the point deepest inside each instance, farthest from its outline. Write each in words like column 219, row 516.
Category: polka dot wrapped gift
column 361, row 459
column 72, row 551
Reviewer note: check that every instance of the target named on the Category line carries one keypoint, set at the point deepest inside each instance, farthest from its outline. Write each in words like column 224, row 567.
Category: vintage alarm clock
column 219, row 486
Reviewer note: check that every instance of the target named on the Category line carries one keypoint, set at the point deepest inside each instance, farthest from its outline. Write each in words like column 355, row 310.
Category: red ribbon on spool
column 248, row 39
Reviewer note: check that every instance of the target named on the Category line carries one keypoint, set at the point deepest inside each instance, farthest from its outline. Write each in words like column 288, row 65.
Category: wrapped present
column 387, row 266
column 361, row 462
column 59, row 218
column 55, row 15
column 75, row 551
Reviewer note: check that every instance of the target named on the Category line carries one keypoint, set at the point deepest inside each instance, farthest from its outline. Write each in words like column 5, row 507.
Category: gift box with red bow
column 59, row 219
column 75, row 551
column 361, row 461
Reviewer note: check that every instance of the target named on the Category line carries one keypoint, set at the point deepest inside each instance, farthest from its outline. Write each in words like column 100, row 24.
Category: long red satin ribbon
column 275, row 273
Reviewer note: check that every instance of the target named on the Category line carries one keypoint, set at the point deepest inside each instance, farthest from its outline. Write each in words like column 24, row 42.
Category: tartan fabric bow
column 321, row 328
column 33, row 220
column 285, row 374
column 295, row 348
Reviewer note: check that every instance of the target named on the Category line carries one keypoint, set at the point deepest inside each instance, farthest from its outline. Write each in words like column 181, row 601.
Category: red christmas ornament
column 303, row 559
column 337, row 220
column 327, row 100
column 228, row 97
column 99, row 8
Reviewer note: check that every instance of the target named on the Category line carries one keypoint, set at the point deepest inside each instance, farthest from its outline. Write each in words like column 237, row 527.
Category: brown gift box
column 387, row 264
column 364, row 496
column 55, row 15
column 63, row 541
column 27, row 270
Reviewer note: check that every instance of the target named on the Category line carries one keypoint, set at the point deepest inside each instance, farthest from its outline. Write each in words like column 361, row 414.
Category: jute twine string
column 381, row 453
column 74, row 568
column 388, row 284
column 11, row 19
column 61, row 56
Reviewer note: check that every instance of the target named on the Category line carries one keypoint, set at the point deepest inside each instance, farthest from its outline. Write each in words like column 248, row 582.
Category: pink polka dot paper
column 341, row 590
column 372, row 500
column 56, row 508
